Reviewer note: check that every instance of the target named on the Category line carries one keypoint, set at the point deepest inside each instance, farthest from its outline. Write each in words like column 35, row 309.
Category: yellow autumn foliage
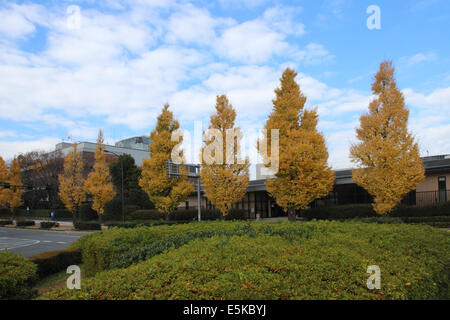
column 387, row 155
column 15, row 194
column 165, row 192
column 4, row 177
column 303, row 173
column 71, row 182
column 98, row 184
column 225, row 182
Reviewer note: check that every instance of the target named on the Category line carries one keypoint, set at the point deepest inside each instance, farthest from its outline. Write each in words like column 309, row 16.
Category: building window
column 442, row 185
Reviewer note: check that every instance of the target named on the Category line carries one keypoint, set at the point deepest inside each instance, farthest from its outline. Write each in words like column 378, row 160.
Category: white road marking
column 61, row 242
column 46, row 241
column 13, row 243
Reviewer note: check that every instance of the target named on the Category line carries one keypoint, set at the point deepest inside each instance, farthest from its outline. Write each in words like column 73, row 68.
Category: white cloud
column 10, row 149
column 18, row 21
column 418, row 58
column 437, row 101
column 256, row 41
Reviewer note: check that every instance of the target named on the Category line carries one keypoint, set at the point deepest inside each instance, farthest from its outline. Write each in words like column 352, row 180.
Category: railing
column 425, row 198
column 414, row 198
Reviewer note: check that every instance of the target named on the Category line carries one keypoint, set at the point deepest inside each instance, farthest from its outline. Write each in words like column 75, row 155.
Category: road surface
column 31, row 242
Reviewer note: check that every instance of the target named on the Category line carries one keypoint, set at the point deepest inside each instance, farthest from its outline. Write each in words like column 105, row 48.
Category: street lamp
column 121, row 167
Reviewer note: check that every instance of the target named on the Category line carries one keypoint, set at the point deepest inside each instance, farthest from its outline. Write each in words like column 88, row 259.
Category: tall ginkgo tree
column 4, row 178
column 16, row 189
column 387, row 155
column 71, row 182
column 165, row 192
column 303, row 174
column 224, row 174
column 98, row 184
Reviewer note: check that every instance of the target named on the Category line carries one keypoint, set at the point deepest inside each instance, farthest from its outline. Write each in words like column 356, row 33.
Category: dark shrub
column 5, row 222
column 54, row 261
column 237, row 214
column 87, row 225
column 349, row 211
column 151, row 214
column 17, row 276
column 25, row 223
column 134, row 224
column 86, row 213
column 113, row 210
column 5, row 213
column 48, row 224
column 437, row 209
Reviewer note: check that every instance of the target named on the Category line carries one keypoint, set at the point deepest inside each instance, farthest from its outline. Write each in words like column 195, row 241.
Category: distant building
column 137, row 147
column 345, row 191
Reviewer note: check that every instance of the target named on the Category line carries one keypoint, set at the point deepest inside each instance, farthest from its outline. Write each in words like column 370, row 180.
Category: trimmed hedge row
column 48, row 224
column 134, row 224
column 25, row 223
column 44, row 213
column 100, row 249
column 54, row 261
column 188, row 215
column 136, row 254
column 365, row 210
column 87, row 225
column 329, row 264
column 17, row 276
column 5, row 222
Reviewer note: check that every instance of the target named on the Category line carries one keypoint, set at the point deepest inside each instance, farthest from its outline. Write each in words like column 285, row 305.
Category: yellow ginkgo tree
column 303, row 174
column 71, row 182
column 4, row 178
column 98, row 184
column 16, row 190
column 166, row 193
column 387, row 155
column 224, row 174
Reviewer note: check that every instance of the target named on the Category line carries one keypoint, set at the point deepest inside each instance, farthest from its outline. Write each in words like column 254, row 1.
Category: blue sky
column 125, row 59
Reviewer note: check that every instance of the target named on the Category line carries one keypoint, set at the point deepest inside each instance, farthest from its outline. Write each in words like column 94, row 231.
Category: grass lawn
column 259, row 260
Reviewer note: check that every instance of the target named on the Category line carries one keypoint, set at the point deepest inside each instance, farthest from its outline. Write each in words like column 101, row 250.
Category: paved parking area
column 31, row 242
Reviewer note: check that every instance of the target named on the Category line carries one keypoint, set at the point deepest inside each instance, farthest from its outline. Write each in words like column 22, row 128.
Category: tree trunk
column 291, row 215
column 100, row 218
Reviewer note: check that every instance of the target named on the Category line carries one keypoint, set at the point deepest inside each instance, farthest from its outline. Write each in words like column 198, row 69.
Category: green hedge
column 44, row 213
column 352, row 211
column 188, row 215
column 438, row 209
column 55, row 261
column 5, row 222
column 151, row 214
column 101, row 249
column 86, row 213
column 48, row 224
column 87, row 225
column 17, row 276
column 25, row 223
column 5, row 213
column 306, row 260
column 136, row 223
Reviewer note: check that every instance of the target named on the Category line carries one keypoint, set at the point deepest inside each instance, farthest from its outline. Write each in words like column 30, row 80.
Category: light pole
column 121, row 168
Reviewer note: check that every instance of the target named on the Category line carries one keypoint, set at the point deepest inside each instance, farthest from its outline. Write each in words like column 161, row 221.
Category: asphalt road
column 31, row 242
